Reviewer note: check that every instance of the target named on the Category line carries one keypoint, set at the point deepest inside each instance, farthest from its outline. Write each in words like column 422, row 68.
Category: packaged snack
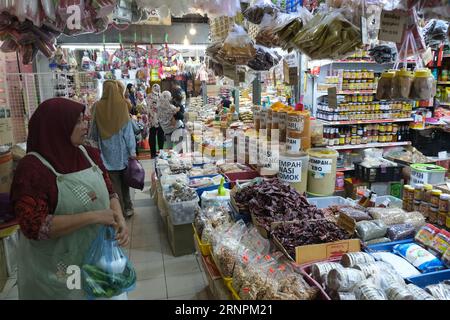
column 446, row 258
column 401, row 231
column 440, row 243
column 368, row 230
column 418, row 257
column 426, row 234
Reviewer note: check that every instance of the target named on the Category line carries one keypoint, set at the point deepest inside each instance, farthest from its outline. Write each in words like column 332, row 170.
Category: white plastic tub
column 324, row 202
column 182, row 212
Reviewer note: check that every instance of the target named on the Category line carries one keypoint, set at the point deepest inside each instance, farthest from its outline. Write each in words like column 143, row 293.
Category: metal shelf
column 356, row 92
column 337, row 123
column 443, row 82
column 444, row 103
column 371, row 145
column 345, row 169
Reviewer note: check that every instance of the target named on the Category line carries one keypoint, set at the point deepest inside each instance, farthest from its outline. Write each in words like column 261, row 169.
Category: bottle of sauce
column 364, row 198
column 372, row 201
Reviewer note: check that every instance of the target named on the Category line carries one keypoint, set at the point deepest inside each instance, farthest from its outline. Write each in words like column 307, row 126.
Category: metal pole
column 257, row 89
column 236, row 96
column 300, row 78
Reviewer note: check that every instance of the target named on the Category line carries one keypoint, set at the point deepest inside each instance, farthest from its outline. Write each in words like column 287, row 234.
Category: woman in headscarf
column 122, row 90
column 130, row 93
column 113, row 131
column 61, row 194
column 155, row 128
column 166, row 112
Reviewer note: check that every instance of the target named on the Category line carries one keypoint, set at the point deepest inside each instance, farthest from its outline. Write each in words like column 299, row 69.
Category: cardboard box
column 161, row 202
column 320, row 252
column 180, row 238
column 215, row 282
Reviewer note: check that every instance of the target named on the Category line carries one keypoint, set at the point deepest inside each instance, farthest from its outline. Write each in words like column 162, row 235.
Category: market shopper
column 113, row 131
column 61, row 194
column 130, row 94
column 122, row 89
column 156, row 132
column 166, row 113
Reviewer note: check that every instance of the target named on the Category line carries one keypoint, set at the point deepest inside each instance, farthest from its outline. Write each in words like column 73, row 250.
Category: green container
column 396, row 189
column 427, row 173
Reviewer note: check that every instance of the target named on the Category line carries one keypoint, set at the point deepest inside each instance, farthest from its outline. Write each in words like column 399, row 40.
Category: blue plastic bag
column 107, row 272
column 418, row 257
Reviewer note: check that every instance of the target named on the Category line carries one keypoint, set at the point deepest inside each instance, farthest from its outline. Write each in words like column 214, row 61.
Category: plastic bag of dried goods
column 440, row 291
column 255, row 12
column 328, row 36
column 419, row 293
column 344, row 279
column 368, row 230
column 400, row 265
column 368, row 290
column 401, row 231
column 389, row 216
column 418, row 257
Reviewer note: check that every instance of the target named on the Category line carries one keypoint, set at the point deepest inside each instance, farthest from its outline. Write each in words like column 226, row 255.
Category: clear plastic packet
column 419, row 293
column 354, row 258
column 399, row 292
column 356, row 214
column 399, row 264
column 255, row 277
column 401, row 231
column 245, row 258
column 106, row 270
column 344, row 279
column 255, row 242
column 389, row 216
column 200, row 223
column 293, row 283
column 328, row 36
column 368, row 290
column 266, row 35
column 418, row 257
column 320, row 271
column 265, row 59
column 227, row 248
column 368, row 230
column 415, row 218
column 288, row 26
column 377, row 240
column 255, row 12
column 238, row 47
column 440, row 291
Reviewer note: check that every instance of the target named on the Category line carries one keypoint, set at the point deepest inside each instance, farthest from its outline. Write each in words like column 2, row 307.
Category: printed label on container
column 293, row 145
column 418, row 177
column 296, row 123
column 318, row 165
column 290, row 171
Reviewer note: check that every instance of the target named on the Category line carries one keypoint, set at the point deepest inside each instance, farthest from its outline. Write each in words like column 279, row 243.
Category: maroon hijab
column 49, row 132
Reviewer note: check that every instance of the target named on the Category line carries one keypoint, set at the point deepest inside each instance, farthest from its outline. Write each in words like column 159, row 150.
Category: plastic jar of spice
column 435, row 196
column 416, row 205
column 444, row 202
column 418, row 192
column 339, row 181
column 433, row 214
column 441, row 218
column 424, row 208
column 427, row 192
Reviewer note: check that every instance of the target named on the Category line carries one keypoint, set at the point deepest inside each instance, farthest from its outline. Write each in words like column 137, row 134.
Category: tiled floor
column 160, row 275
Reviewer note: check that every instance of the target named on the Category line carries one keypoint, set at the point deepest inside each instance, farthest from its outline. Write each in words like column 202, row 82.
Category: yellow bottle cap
column 422, row 73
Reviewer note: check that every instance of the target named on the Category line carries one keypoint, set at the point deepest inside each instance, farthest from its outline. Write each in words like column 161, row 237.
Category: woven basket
column 220, row 27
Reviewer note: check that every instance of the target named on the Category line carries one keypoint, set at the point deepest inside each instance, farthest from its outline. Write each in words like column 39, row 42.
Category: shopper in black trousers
column 155, row 129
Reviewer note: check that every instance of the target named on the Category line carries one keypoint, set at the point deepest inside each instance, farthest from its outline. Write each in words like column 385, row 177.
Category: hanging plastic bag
column 107, row 272
column 289, row 25
column 256, row 11
column 328, row 36
column 238, row 47
column 266, row 35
